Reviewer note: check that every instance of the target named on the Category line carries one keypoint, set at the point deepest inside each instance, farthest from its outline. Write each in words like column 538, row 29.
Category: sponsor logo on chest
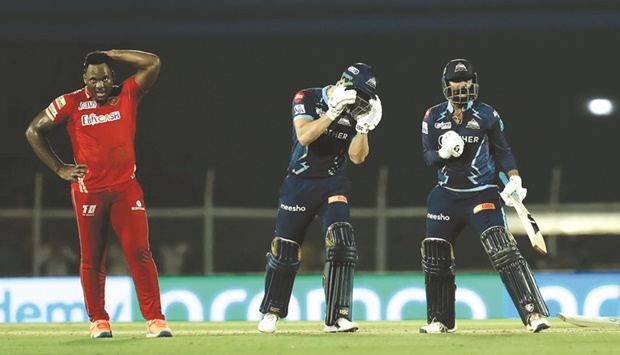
column 336, row 134
column 470, row 139
column 87, row 105
column 92, row 119
column 443, row 125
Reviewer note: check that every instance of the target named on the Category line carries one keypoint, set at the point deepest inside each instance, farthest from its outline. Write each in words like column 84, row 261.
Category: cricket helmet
column 458, row 70
column 361, row 77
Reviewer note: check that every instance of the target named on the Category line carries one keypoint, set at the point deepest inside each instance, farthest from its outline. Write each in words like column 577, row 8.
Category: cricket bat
column 583, row 321
column 529, row 223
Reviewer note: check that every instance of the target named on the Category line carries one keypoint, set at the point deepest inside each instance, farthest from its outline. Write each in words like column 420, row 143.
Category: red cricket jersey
column 102, row 136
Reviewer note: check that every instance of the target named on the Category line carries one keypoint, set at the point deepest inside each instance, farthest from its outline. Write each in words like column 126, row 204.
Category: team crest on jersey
column 443, row 125
column 299, row 109
column 473, row 124
column 299, row 96
column 87, row 105
column 113, row 100
column 344, row 121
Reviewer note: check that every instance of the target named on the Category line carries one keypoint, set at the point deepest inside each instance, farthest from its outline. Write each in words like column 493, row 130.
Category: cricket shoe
column 269, row 323
column 537, row 323
column 436, row 328
column 100, row 329
column 157, row 328
column 342, row 325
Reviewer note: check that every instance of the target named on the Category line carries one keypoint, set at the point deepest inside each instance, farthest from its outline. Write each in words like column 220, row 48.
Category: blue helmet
column 458, row 70
column 361, row 77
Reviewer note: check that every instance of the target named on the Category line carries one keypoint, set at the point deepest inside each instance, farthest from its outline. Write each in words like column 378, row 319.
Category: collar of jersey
column 325, row 98
column 87, row 93
column 469, row 105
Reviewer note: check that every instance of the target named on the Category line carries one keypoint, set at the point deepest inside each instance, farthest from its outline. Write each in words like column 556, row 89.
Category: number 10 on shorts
column 88, row 209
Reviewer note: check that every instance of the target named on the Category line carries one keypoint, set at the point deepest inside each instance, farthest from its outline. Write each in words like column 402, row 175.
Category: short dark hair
column 96, row 57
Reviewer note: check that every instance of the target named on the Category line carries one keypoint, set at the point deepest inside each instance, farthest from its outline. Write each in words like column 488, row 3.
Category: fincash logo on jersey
column 92, row 119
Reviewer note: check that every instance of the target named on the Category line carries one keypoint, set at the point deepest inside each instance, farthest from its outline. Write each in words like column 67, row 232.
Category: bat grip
column 504, row 178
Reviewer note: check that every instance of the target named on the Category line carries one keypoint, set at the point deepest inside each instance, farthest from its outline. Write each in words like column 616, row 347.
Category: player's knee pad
column 340, row 260
column 438, row 266
column 514, row 271
column 283, row 261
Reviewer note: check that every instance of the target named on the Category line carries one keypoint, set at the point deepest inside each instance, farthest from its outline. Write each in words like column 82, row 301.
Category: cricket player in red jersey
column 101, row 121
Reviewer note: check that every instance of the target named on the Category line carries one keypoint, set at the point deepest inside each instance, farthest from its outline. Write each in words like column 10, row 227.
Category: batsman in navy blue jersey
column 330, row 126
column 464, row 139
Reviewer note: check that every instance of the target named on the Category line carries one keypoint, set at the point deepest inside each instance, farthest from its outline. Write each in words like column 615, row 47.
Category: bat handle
column 504, row 178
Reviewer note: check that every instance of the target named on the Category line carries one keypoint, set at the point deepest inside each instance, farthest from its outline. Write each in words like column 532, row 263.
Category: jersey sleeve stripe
column 307, row 117
column 51, row 111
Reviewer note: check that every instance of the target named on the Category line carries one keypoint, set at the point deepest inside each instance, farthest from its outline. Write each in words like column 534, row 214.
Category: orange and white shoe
column 100, row 329
column 157, row 328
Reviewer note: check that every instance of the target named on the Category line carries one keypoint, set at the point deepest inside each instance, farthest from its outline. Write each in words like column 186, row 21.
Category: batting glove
column 515, row 189
column 451, row 145
column 368, row 121
column 339, row 100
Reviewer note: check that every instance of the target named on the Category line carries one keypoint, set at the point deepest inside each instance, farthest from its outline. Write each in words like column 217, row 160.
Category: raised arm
column 148, row 65
column 308, row 131
column 36, row 134
column 359, row 148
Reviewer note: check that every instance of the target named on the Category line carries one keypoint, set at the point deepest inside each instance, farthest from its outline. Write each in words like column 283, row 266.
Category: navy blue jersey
column 327, row 155
column 482, row 131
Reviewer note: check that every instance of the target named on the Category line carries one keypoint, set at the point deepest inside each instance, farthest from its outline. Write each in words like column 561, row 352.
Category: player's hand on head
column 452, row 145
column 376, row 112
column 368, row 121
column 72, row 172
column 339, row 100
column 513, row 188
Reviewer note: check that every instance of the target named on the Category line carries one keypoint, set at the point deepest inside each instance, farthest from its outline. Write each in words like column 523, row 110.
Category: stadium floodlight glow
column 601, row 107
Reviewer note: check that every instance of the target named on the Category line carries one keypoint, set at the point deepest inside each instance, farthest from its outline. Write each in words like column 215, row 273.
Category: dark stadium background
column 229, row 73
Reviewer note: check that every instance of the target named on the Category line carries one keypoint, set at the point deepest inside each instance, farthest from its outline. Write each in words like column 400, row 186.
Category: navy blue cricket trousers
column 449, row 212
column 301, row 199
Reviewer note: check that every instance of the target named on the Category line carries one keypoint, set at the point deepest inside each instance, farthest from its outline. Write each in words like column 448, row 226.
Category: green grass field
column 506, row 336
